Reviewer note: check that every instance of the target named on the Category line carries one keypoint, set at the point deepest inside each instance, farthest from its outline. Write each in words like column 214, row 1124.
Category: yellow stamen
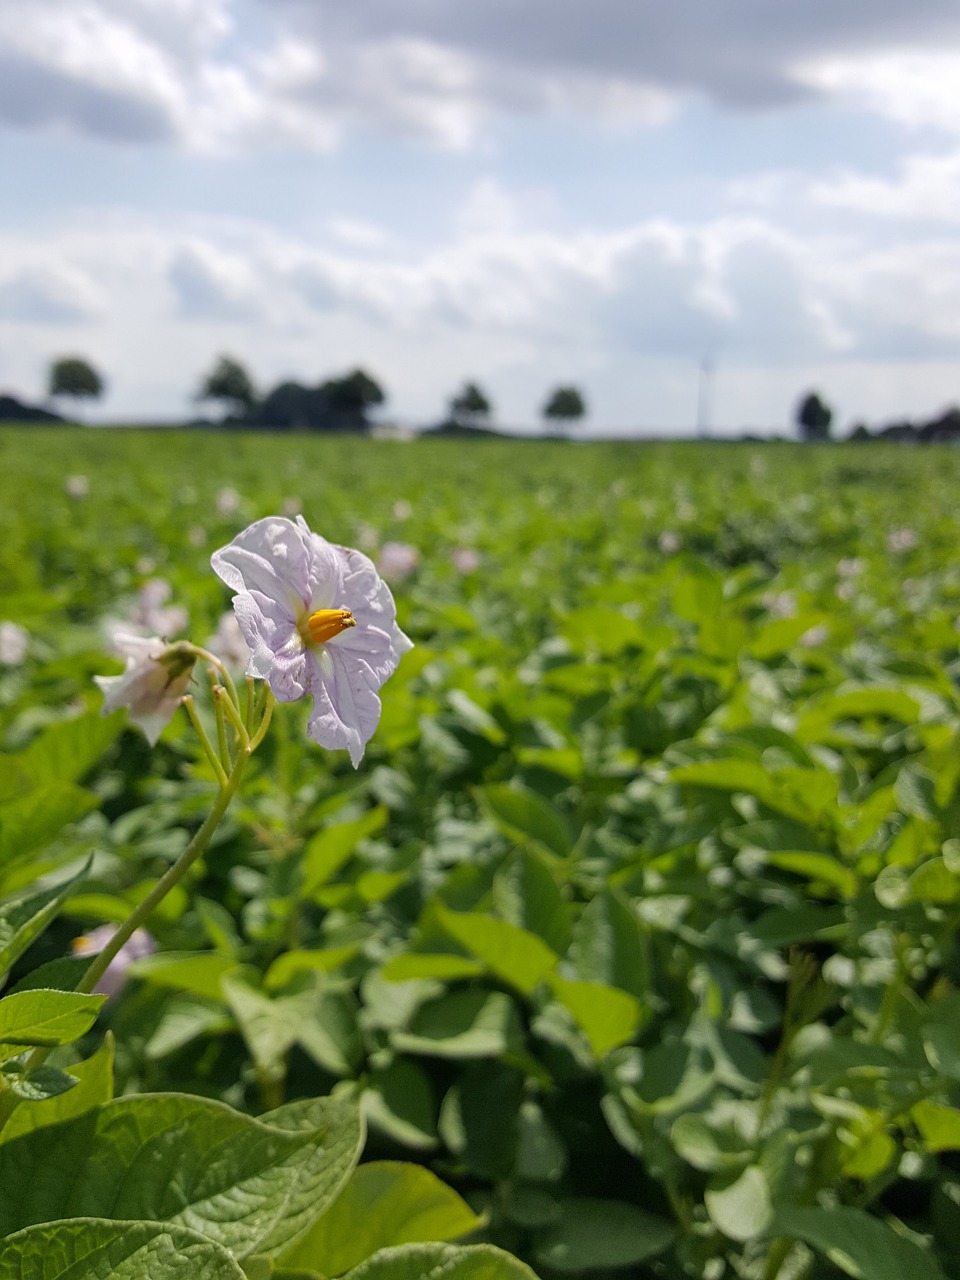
column 327, row 623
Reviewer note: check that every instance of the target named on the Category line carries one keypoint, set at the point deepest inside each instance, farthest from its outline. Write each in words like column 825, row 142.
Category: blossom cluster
column 310, row 617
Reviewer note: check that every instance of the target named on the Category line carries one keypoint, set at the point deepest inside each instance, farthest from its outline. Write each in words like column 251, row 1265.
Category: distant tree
column 229, row 384
column 860, row 434
column 289, row 406
column 74, row 377
column 564, row 404
column 470, row 406
column 814, row 418
column 348, row 400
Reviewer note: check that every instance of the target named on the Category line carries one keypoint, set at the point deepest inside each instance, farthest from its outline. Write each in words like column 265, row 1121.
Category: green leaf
column 91, row 1248
column 819, row 868
column 526, row 894
column 45, row 1018
column 514, row 955
column 197, row 973
column 742, row 1209
column 607, row 944
column 24, row 918
column 607, row 1016
column 94, row 1085
column 483, row 1090
column 418, row 964
column 442, row 1262
column 31, row 821
column 250, row 1185
column 41, row 1084
column 602, row 1233
column 327, row 851
column 939, row 1126
column 862, row 1246
column 706, row 1146
column 291, row 964
column 384, row 1204
column 400, row 1103
column 463, row 1024
column 65, row 751
column 527, row 818
column 323, row 1022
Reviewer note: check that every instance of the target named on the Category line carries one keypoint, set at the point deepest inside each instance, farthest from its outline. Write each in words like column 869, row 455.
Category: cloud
column 212, row 285
column 221, row 75
column 48, row 296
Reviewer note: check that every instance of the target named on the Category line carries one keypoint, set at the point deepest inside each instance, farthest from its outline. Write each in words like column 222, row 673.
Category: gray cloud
column 740, row 52
column 33, row 96
column 39, row 295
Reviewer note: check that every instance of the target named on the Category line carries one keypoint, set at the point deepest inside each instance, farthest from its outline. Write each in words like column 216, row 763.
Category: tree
column 814, row 418
column 469, row 406
column 229, row 384
column 348, row 400
column 75, row 377
column 565, row 404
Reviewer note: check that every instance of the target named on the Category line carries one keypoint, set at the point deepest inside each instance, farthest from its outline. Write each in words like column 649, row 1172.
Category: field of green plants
column 631, row 944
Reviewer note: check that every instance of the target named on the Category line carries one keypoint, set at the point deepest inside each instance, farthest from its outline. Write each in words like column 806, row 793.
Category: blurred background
column 693, row 213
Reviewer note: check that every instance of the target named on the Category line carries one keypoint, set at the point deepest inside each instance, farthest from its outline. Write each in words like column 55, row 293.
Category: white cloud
column 514, row 307
column 221, row 75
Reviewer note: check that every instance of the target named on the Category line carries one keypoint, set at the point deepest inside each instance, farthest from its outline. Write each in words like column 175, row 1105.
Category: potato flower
column 155, row 679
column 138, row 945
column 319, row 621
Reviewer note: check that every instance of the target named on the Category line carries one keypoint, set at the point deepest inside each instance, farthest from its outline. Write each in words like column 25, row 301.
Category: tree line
column 335, row 404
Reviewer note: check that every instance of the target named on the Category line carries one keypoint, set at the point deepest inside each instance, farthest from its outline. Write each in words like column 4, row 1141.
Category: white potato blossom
column 227, row 501
column 465, row 559
column 76, row 487
column 397, row 560
column 14, row 642
column 902, row 539
column 138, row 945
column 319, row 622
column 157, row 676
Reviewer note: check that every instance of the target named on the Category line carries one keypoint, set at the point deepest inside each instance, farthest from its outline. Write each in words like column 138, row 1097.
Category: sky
column 694, row 212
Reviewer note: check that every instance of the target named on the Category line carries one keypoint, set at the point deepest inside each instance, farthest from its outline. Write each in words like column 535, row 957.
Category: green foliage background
column 637, row 926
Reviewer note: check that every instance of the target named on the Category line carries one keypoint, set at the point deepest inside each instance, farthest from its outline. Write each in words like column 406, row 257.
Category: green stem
column 221, row 723
column 98, row 966
column 190, row 708
column 269, row 703
column 225, row 700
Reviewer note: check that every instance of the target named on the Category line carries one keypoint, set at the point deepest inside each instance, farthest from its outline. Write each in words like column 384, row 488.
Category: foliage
column 634, row 936
column 229, row 384
column 814, row 417
column 469, row 406
column 75, row 377
column 338, row 404
column 565, row 404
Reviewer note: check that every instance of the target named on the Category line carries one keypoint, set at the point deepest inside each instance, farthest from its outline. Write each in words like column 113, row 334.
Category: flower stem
column 98, row 966
column 190, row 707
column 215, row 688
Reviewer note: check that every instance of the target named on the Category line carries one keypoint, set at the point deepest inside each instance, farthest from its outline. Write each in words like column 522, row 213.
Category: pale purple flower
column 228, row 500
column 814, row 637
column 319, row 621
column 851, row 567
column 156, row 678
column 780, row 604
column 152, row 614
column 197, row 536
column 668, row 542
column 397, row 560
column 14, row 642
column 402, row 510
column 76, row 487
column 291, row 506
column 138, row 945
column 228, row 643
column 465, row 559
column 902, row 539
